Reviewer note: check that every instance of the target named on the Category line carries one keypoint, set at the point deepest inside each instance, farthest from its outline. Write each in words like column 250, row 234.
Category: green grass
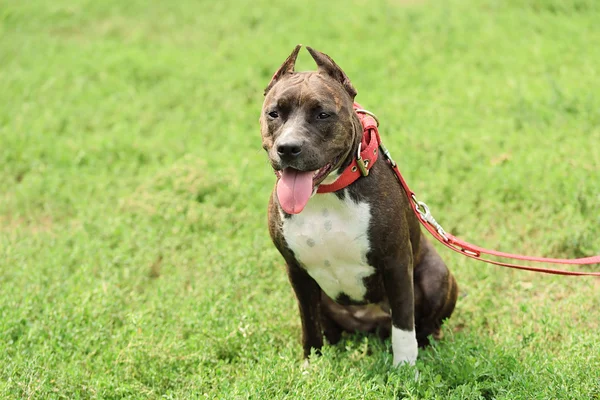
column 134, row 255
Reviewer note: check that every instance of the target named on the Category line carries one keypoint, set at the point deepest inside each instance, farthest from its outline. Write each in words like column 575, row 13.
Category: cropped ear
column 286, row 68
column 328, row 66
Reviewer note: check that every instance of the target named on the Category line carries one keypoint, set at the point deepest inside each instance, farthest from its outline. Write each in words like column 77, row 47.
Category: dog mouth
column 322, row 173
column 295, row 187
column 318, row 176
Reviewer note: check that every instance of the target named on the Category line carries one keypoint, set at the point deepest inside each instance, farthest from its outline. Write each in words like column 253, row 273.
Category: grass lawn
column 135, row 260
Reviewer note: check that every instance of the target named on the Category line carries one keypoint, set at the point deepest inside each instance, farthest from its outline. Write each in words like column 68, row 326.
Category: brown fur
column 411, row 286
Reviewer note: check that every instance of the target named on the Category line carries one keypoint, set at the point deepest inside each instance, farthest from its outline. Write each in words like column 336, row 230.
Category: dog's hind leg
column 436, row 292
column 331, row 329
column 337, row 318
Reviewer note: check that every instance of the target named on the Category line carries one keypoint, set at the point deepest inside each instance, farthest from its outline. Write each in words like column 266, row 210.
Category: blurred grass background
column 134, row 256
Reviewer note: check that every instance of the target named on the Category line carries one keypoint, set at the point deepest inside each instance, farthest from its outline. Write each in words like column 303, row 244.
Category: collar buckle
column 362, row 164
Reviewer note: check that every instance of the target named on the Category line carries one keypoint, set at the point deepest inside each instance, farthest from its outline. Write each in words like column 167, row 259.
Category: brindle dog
column 356, row 258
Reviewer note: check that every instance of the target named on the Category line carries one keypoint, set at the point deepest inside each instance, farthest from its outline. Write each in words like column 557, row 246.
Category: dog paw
column 404, row 346
column 306, row 367
column 401, row 361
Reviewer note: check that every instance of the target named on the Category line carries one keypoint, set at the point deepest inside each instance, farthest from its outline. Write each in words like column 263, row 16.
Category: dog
column 356, row 258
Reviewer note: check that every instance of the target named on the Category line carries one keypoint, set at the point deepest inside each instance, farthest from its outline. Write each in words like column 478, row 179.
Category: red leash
column 366, row 157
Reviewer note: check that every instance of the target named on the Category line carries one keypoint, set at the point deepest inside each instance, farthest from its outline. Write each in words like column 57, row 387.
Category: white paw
column 306, row 367
column 404, row 346
column 305, row 364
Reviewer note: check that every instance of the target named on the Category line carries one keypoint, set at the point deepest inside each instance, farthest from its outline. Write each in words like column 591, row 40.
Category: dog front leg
column 308, row 294
column 398, row 282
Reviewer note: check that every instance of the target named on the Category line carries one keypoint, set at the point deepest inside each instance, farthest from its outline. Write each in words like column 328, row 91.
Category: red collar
column 368, row 152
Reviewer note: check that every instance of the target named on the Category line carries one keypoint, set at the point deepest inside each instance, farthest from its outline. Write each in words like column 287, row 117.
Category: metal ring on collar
column 367, row 112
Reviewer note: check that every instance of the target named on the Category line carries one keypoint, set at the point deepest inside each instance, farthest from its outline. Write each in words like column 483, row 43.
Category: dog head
column 308, row 126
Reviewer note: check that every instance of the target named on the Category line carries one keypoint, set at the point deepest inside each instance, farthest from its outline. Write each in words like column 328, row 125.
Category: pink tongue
column 294, row 189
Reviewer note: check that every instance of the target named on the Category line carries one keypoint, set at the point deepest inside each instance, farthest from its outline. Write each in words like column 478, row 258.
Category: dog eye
column 323, row 116
column 274, row 114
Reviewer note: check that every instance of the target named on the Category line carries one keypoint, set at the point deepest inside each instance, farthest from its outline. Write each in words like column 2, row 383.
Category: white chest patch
column 330, row 239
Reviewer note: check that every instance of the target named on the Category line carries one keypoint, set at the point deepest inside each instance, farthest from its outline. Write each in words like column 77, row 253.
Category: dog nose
column 289, row 150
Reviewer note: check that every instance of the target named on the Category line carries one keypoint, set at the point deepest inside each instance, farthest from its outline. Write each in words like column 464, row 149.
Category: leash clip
column 362, row 164
column 387, row 154
column 425, row 213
